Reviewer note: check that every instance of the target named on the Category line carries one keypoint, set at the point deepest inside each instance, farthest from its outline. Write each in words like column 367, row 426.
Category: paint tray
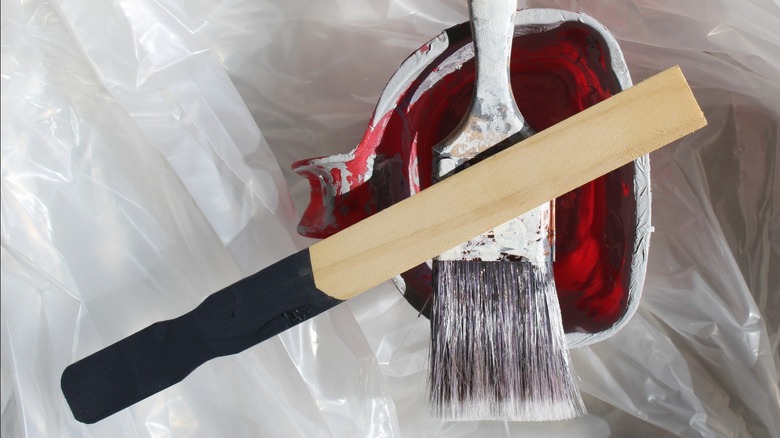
column 561, row 63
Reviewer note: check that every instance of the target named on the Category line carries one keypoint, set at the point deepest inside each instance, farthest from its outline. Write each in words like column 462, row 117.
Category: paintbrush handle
column 493, row 114
column 492, row 27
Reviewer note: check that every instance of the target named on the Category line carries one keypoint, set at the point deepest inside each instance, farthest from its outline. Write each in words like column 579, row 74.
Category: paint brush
column 498, row 347
column 513, row 181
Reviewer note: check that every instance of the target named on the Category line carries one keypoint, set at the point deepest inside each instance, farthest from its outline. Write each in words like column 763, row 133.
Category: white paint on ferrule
column 525, row 236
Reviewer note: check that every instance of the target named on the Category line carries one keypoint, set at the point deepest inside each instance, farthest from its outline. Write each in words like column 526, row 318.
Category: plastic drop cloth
column 146, row 147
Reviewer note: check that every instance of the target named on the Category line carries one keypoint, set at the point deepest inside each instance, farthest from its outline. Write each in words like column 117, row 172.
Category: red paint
column 555, row 74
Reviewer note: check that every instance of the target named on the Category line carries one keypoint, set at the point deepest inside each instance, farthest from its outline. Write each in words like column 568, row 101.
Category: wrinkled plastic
column 140, row 143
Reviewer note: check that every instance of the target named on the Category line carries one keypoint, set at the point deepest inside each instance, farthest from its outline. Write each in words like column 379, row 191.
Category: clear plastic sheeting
column 145, row 164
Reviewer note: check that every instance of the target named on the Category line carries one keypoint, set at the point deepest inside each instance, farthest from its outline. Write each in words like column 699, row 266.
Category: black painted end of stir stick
column 227, row 322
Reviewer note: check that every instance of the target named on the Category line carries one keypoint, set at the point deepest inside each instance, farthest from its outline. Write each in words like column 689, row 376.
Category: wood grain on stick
column 555, row 161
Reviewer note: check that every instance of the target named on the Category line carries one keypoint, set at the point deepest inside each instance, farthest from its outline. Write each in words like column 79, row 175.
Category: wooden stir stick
column 512, row 182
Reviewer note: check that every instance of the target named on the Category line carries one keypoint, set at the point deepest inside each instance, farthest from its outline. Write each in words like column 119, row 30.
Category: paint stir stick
column 514, row 181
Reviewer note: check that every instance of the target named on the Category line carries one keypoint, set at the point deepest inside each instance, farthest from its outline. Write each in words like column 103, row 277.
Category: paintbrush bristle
column 498, row 349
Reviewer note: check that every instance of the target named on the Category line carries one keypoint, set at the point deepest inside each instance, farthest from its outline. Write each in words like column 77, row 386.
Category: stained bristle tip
column 498, row 349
